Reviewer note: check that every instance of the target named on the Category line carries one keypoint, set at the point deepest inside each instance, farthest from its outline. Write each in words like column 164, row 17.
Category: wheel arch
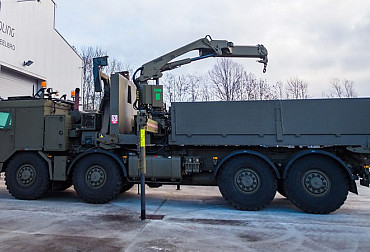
column 5, row 163
column 97, row 151
column 35, row 152
column 14, row 153
column 246, row 153
column 341, row 163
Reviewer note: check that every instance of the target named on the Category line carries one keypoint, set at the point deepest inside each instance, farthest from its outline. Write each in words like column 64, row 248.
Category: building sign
column 7, row 32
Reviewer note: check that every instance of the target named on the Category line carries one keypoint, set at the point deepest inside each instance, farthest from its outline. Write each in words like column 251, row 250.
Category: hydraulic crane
column 207, row 47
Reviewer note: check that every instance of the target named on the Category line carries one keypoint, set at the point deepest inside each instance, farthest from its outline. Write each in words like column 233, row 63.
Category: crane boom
column 207, row 48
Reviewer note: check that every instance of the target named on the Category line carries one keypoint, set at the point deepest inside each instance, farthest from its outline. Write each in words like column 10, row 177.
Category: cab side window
column 5, row 120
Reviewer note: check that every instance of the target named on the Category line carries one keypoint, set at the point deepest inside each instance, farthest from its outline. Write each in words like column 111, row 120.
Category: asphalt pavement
column 191, row 219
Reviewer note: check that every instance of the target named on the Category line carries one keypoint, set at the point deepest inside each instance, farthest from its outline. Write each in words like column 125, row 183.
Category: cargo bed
column 311, row 122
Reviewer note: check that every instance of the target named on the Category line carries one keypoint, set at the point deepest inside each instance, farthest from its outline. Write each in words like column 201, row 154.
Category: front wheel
column 247, row 183
column 97, row 179
column 316, row 184
column 27, row 176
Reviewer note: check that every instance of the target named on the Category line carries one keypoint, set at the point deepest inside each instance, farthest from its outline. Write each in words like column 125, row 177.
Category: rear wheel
column 247, row 183
column 27, row 176
column 97, row 179
column 316, row 184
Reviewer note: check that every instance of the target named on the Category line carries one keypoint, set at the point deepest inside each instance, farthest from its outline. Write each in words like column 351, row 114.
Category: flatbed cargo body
column 285, row 123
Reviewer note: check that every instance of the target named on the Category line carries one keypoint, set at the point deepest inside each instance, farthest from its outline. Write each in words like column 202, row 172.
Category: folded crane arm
column 207, row 48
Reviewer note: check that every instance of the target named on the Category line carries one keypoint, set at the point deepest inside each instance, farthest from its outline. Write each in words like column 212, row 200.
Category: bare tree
column 248, row 87
column 226, row 76
column 117, row 66
column 176, row 88
column 277, row 91
column 186, row 88
column 195, row 87
column 349, row 89
column 296, row 89
column 206, row 92
column 114, row 66
column 341, row 89
column 263, row 90
column 337, row 90
column 230, row 83
column 252, row 88
column 87, row 54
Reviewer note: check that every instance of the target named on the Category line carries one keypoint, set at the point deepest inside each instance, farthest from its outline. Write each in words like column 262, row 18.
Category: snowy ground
column 195, row 219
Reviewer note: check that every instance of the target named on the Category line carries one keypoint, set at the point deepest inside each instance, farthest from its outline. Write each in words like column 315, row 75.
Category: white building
column 32, row 51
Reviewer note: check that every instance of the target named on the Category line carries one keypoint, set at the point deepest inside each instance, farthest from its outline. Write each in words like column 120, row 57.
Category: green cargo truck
column 311, row 151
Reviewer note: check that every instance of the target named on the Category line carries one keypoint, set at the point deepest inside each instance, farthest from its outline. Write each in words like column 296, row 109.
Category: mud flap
column 365, row 180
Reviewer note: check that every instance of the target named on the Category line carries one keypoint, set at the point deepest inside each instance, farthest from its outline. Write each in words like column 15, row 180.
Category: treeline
column 229, row 81
column 226, row 81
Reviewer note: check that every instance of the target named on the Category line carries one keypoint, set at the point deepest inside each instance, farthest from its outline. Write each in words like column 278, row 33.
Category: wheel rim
column 316, row 183
column 247, row 181
column 26, row 175
column 96, row 177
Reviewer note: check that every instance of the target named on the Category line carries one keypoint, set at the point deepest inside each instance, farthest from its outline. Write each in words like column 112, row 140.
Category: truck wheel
column 27, row 176
column 127, row 186
column 97, row 179
column 247, row 183
column 316, row 185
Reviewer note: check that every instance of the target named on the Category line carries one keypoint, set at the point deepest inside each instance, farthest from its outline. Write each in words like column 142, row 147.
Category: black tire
column 316, row 184
column 127, row 186
column 247, row 183
column 97, row 179
column 27, row 176
column 281, row 189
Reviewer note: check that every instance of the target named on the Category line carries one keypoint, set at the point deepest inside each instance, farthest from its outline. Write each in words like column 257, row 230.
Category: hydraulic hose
column 137, row 87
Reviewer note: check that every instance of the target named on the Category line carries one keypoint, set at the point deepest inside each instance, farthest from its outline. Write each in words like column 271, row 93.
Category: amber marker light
column 215, row 160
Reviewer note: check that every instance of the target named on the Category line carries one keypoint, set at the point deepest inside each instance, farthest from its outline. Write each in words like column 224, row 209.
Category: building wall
column 27, row 33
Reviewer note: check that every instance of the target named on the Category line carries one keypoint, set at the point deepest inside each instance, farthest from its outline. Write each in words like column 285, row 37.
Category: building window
column 129, row 100
column 5, row 120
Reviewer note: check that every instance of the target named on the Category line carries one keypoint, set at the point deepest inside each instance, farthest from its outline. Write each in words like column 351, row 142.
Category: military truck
column 311, row 151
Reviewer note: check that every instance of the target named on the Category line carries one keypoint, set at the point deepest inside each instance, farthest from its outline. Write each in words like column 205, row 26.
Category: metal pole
column 142, row 169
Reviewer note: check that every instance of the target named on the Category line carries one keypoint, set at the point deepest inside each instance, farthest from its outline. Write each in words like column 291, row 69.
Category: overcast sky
column 312, row 40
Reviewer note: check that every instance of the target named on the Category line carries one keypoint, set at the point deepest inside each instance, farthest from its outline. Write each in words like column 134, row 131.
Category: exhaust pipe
column 77, row 99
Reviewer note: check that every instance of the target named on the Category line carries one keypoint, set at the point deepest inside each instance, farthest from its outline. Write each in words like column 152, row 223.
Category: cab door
column 6, row 133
